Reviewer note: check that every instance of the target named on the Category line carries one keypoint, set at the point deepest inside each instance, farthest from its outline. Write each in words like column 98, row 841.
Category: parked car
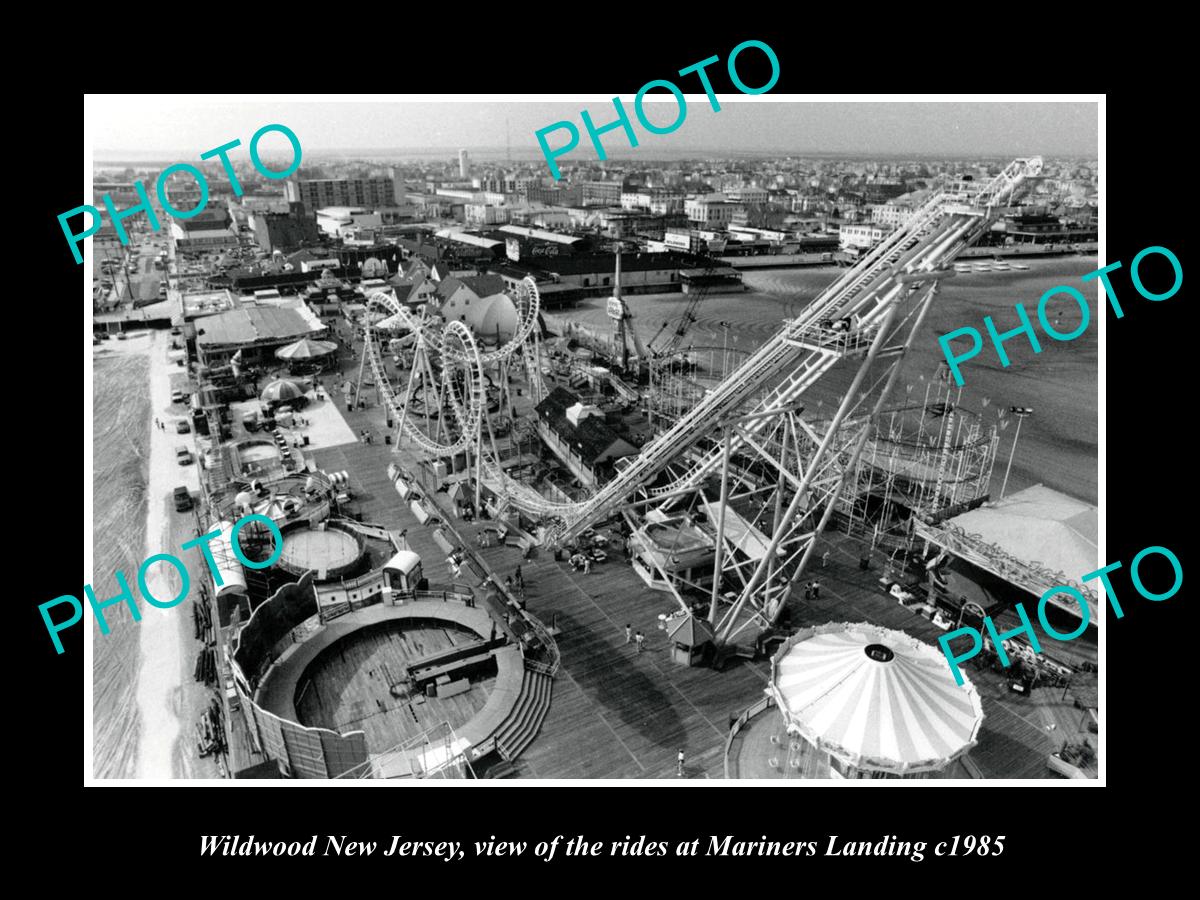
column 183, row 499
column 183, row 456
column 182, row 426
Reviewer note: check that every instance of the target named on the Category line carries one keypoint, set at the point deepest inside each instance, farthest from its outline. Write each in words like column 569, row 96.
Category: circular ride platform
column 329, row 552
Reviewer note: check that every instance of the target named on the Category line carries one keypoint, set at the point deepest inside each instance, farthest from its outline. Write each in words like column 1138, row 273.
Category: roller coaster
column 747, row 438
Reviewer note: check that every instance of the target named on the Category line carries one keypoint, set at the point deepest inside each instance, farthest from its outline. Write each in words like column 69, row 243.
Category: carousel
column 875, row 702
column 306, row 355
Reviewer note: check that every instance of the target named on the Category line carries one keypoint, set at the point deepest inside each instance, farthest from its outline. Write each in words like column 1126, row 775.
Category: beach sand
column 1058, row 445
column 167, row 698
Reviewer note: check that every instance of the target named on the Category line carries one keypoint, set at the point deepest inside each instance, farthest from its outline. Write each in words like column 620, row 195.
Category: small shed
column 688, row 637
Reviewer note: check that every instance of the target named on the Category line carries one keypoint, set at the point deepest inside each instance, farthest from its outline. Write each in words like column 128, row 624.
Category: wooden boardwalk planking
column 348, row 686
column 617, row 713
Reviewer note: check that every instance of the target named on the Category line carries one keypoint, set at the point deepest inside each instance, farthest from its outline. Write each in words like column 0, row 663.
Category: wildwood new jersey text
column 713, row 845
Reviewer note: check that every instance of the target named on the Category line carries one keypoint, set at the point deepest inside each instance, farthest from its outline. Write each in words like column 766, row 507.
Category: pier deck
column 620, row 714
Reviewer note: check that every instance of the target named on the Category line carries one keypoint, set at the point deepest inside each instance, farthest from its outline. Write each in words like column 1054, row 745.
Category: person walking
column 816, row 590
column 628, row 633
column 587, row 565
column 520, row 579
column 679, row 762
column 640, row 640
column 824, row 559
column 808, row 592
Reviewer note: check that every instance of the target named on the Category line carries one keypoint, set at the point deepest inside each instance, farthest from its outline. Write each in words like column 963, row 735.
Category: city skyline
column 147, row 126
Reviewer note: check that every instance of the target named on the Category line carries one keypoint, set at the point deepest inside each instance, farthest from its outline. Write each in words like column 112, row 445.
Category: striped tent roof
column 876, row 699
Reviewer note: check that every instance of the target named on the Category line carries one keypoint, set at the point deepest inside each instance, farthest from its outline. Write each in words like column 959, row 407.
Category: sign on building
column 677, row 240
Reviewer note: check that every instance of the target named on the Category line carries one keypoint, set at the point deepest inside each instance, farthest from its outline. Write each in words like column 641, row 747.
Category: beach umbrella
column 305, row 348
column 281, row 391
column 875, row 698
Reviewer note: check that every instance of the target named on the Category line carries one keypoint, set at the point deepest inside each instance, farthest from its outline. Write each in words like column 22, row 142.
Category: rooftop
column 255, row 324
column 590, row 438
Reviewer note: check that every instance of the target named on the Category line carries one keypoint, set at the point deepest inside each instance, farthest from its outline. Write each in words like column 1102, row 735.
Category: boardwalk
column 616, row 713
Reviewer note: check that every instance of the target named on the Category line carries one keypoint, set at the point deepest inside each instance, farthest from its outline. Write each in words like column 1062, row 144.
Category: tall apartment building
column 317, row 193
column 602, row 193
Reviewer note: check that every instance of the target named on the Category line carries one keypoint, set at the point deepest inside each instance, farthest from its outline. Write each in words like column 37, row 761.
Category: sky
column 184, row 126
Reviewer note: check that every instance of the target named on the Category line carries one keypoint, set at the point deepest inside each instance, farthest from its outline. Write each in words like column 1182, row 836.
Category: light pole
column 1021, row 412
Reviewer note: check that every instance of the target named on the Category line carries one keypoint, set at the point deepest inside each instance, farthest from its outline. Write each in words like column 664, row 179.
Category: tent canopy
column 875, row 698
column 305, row 348
column 1041, row 525
column 281, row 391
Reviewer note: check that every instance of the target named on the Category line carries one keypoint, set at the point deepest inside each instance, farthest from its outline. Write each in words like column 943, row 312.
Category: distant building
column 464, row 164
column 196, row 242
column 860, row 237
column 892, row 215
column 183, row 192
column 602, row 193
column 710, row 211
column 485, row 214
column 337, row 221
column 746, row 194
column 316, row 193
column 285, row 232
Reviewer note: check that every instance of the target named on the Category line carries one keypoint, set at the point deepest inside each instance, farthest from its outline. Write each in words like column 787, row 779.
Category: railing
column 437, row 596
column 548, row 644
column 736, row 726
column 542, row 668
column 334, row 611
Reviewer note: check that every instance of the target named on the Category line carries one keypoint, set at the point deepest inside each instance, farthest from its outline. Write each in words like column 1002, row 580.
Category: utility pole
column 1021, row 412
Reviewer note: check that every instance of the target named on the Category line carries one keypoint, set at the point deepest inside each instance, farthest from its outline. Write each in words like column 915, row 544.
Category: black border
column 1149, row 418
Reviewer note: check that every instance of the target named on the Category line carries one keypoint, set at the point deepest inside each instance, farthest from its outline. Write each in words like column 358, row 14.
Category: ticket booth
column 689, row 635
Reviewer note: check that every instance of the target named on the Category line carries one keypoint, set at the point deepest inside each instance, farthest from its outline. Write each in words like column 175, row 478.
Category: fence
column 440, row 596
column 739, row 722
column 336, row 610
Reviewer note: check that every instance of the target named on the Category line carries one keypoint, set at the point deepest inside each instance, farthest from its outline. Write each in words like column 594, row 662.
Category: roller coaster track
column 778, row 373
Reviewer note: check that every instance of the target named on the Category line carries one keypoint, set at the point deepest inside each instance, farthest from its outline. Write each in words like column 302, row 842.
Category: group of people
column 581, row 561
column 516, row 582
column 812, row 590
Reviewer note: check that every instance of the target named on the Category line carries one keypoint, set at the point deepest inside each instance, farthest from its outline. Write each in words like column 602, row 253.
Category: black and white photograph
column 466, row 438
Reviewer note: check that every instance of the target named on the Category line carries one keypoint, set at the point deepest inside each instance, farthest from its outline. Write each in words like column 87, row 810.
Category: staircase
column 523, row 723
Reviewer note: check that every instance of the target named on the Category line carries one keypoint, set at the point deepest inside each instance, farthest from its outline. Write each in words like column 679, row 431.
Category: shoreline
column 160, row 689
